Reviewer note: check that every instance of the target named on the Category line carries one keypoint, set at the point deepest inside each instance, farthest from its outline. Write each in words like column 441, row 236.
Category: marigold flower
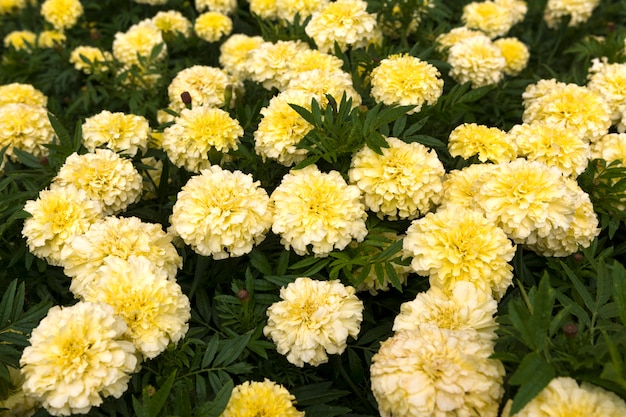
column 266, row 398
column 11, row 6
column 98, row 59
column 436, row 372
column 58, row 215
column 25, row 127
column 405, row 80
column 345, row 22
column 269, row 63
column 517, row 8
column 489, row 17
column 22, row 93
column 264, row 9
column 172, row 22
column 579, row 11
column 515, row 53
column 154, row 307
column 319, row 83
column 126, row 133
column 220, row 6
column 62, row 14
column 207, row 86
column 196, row 132
column 119, row 237
column 460, row 186
column 312, row 59
column 611, row 148
column 20, row 40
column 489, row 143
column 610, row 81
column 105, row 176
column 564, row 397
column 476, row 60
column 212, row 26
column 404, row 182
column 221, row 213
column 313, row 319
column 317, row 211
column 234, row 53
column 50, row 39
column 18, row 404
column 139, row 40
column 287, row 9
column 446, row 40
column 76, row 357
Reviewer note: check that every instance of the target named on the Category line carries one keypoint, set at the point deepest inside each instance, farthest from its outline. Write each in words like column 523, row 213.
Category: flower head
column 319, row 83
column 476, row 60
column 610, row 81
column 317, row 210
column 139, row 40
column 234, row 53
column 287, row 9
column 269, row 63
column 172, row 22
column 460, row 186
column 207, row 86
column 404, row 182
column 313, row 319
column 517, row 8
column 489, row 17
column 579, row 11
column 25, row 127
column 213, row 26
column 221, row 6
column 50, row 38
column 22, row 93
column 120, row 132
column 62, row 14
column 96, row 57
column 11, row 6
column 489, row 143
column 18, row 404
column 446, row 40
column 76, row 357
column 515, row 53
column 267, row 398
column 20, row 40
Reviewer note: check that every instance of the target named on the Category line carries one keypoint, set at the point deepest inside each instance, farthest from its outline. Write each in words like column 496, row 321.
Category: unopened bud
column 570, row 330
column 43, row 160
column 186, row 98
column 243, row 295
column 578, row 257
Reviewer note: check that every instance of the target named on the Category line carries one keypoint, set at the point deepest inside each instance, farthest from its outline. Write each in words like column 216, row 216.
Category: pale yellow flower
column 319, row 83
column 460, row 186
column 579, row 11
column 154, row 308
column 207, row 86
column 264, row 9
column 446, row 40
column 234, row 53
column 25, row 127
column 20, row 40
column 489, row 17
column 405, row 80
column 58, row 215
column 436, row 372
column 197, row 132
column 50, row 39
column 488, row 143
column 515, row 53
column 221, row 6
column 476, row 60
column 313, row 319
column 313, row 59
column 317, row 211
column 120, row 132
column 62, row 14
column 287, row 9
column 172, row 22
column 22, row 93
column 76, row 357
column 18, row 404
column 404, row 182
column 269, row 63
column 610, row 81
column 611, row 148
column 11, row 6
column 105, row 176
column 267, row 398
column 138, row 40
column 98, row 59
column 212, row 26
column 222, row 214
column 517, row 8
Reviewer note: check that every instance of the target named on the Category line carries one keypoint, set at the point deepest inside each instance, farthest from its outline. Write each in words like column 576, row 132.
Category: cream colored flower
column 476, row 60
column 20, row 40
column 517, row 8
column 11, row 6
column 105, row 176
column 221, row 213
column 436, row 372
column 139, row 40
column 313, row 319
column 461, row 245
column 58, row 215
column 120, row 132
column 221, row 6
column 463, row 307
column 559, row 104
column 119, row 237
column 610, row 81
column 579, row 11
column 198, row 131
column 50, row 39
column 264, row 9
column 26, row 128
column 313, row 59
column 488, row 143
column 610, row 147
column 18, row 404
column 234, row 53
column 489, row 17
column 287, row 9
column 76, row 357
column 446, row 40
column 282, row 128
column 562, row 148
column 405, row 80
column 460, row 186
column 515, row 53
column 269, row 63
column 212, row 26
column 563, row 397
column 317, row 211
column 345, row 22
column 207, row 86
column 404, row 182
column 171, row 23
column 22, row 93
column 267, row 398
column 62, row 14
column 154, row 307
column 98, row 59
column 320, row 83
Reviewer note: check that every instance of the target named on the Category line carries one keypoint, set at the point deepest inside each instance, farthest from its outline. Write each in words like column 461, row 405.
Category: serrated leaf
column 231, row 349
column 543, row 303
column 216, row 407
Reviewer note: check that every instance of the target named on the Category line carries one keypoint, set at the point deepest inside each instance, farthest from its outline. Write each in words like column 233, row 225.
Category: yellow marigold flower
column 234, row 53
column 404, row 182
column 20, row 40
column 312, row 59
column 207, row 86
column 313, row 319
column 612, row 147
column 436, row 372
column 527, row 199
column 138, row 40
column 221, row 213
column 559, row 104
column 220, row 6
column 269, row 63
column 26, row 128
column 517, row 8
column 172, row 22
column 540, row 141
column 196, row 132
column 96, row 57
column 515, row 53
column 579, row 11
column 18, row 404
column 460, row 186
column 282, row 128
column 264, row 9
column 317, row 211
column 287, row 9
column 345, row 22
column 489, row 17
column 461, row 245
column 11, row 6
column 50, row 39
column 212, row 26
column 489, row 143
column 266, row 398
column 446, row 40
column 564, row 397
column 62, row 14
column 22, row 93
column 76, row 357
column 154, row 307
column 405, row 80
column 105, row 176
column 319, row 83
column 610, row 81
column 120, row 132
column 119, row 237
column 58, row 215
column 476, row 60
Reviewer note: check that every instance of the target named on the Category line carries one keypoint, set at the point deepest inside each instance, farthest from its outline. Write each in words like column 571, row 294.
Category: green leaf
column 260, row 262
column 157, row 401
column 231, row 349
column 619, row 290
column 210, row 351
column 218, row 405
column 543, row 304
column 532, row 375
